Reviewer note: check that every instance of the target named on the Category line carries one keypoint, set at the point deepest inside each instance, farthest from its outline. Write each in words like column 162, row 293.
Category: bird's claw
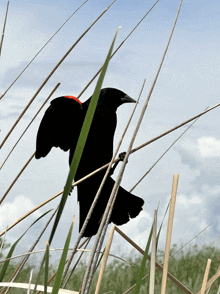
column 122, row 156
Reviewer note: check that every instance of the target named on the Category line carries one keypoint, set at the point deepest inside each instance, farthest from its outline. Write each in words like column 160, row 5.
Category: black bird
column 60, row 127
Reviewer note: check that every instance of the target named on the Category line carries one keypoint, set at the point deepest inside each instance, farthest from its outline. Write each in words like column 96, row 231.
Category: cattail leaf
column 82, row 139
column 62, row 261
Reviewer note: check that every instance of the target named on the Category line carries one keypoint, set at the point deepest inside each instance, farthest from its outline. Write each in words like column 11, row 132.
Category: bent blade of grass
column 62, row 261
column 6, row 264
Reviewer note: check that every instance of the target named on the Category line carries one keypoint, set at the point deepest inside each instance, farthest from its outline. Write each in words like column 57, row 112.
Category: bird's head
column 112, row 98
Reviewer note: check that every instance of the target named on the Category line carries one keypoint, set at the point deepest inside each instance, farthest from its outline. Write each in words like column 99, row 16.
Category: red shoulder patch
column 74, row 98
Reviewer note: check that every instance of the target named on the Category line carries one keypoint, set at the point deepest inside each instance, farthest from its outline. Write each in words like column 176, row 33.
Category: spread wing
column 60, row 126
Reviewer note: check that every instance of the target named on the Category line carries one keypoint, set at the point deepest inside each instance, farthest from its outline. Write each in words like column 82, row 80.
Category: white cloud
column 11, row 211
column 138, row 229
column 209, row 146
column 185, row 202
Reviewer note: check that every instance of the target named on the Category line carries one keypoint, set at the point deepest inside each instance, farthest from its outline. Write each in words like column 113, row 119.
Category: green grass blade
column 6, row 264
column 47, row 254
column 158, row 234
column 62, row 262
column 143, row 263
column 82, row 139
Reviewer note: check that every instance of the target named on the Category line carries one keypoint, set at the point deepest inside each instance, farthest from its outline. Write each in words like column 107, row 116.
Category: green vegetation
column 188, row 266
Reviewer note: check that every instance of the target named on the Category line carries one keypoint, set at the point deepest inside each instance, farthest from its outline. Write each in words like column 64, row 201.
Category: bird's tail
column 126, row 206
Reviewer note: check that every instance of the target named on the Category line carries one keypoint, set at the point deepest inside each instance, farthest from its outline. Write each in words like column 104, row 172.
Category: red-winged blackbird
column 60, row 127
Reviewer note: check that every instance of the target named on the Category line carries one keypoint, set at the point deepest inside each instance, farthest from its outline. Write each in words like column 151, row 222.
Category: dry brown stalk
column 107, row 214
column 175, row 128
column 104, row 260
column 3, row 31
column 169, row 232
column 205, row 278
column 171, row 277
column 211, row 280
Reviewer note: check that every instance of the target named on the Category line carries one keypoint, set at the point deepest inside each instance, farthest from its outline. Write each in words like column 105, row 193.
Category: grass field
column 188, row 266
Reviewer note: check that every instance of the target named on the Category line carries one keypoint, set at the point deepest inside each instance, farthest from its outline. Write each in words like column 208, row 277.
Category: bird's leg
column 122, row 157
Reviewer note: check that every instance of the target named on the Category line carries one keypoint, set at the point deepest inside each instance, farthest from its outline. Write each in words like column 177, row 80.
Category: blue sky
column 188, row 83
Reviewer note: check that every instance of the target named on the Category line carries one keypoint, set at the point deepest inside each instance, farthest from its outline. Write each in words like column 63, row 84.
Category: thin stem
column 89, row 83
column 107, row 214
column 15, row 180
column 164, row 154
column 41, row 50
column 30, row 123
column 90, row 268
column 3, row 31
column 100, row 188
column 173, row 129
column 104, row 261
column 52, row 72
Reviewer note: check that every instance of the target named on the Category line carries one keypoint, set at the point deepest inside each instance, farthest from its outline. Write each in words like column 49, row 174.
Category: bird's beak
column 127, row 99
